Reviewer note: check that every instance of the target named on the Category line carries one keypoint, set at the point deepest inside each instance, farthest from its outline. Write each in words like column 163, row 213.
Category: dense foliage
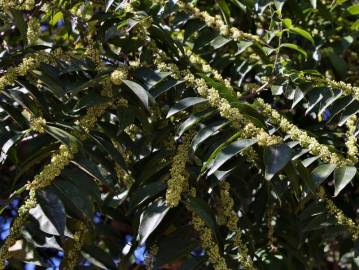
column 179, row 134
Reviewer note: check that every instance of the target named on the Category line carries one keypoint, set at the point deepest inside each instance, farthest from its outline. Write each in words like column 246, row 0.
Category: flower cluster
column 29, row 63
column 197, row 60
column 38, row 124
column 304, row 139
column 179, row 175
column 351, row 142
column 301, row 136
column 121, row 102
column 208, row 244
column 88, row 121
column 123, row 176
column 249, row 154
column 347, row 88
column 18, row 5
column 118, row 76
column 33, row 31
column 232, row 225
column 217, row 23
column 72, row 255
column 249, row 130
column 15, row 231
column 132, row 130
column 58, row 162
column 341, row 218
column 94, row 55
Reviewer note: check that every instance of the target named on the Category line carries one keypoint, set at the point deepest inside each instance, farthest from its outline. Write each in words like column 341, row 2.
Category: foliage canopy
column 202, row 134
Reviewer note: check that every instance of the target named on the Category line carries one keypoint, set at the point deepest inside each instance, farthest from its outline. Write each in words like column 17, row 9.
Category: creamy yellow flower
column 341, row 218
column 208, row 244
column 18, row 5
column 33, row 31
column 118, row 76
column 232, row 225
column 38, row 124
column 72, row 255
column 216, row 22
column 59, row 160
column 178, row 173
column 301, row 136
column 351, row 139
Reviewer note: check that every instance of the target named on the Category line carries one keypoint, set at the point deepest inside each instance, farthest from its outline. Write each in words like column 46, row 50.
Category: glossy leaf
column 322, row 172
column 342, row 177
column 228, row 152
column 150, row 219
column 275, row 158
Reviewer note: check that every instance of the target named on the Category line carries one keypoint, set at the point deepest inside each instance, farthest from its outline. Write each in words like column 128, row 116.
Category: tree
column 179, row 134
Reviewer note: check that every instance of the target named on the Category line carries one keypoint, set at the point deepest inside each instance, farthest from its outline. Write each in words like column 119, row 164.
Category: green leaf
column 90, row 99
column 194, row 263
column 219, row 42
column 277, row 90
column 184, row 104
column 207, row 132
column 354, row 9
column 228, row 152
column 99, row 257
column 15, row 114
column 279, row 4
column 302, row 33
column 275, row 158
column 150, row 219
column 89, row 167
column 109, row 4
column 339, row 105
column 163, row 87
column 177, row 245
column 214, row 153
column 76, row 202
column 287, row 22
column 140, row 92
column 322, row 172
column 151, row 78
column 193, row 120
column 108, row 147
column 339, row 64
column 150, row 165
column 145, row 192
column 294, row 47
column 84, row 182
column 20, row 23
column 350, row 110
column 355, row 25
column 9, row 144
column 85, row 85
column 342, row 177
column 52, row 82
column 61, row 135
column 56, row 18
column 193, row 26
column 314, row 97
column 305, row 175
column 298, row 96
column 50, row 213
column 295, row 29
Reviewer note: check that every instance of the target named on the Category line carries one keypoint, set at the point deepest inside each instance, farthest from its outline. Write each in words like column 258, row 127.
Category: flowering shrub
column 179, row 134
